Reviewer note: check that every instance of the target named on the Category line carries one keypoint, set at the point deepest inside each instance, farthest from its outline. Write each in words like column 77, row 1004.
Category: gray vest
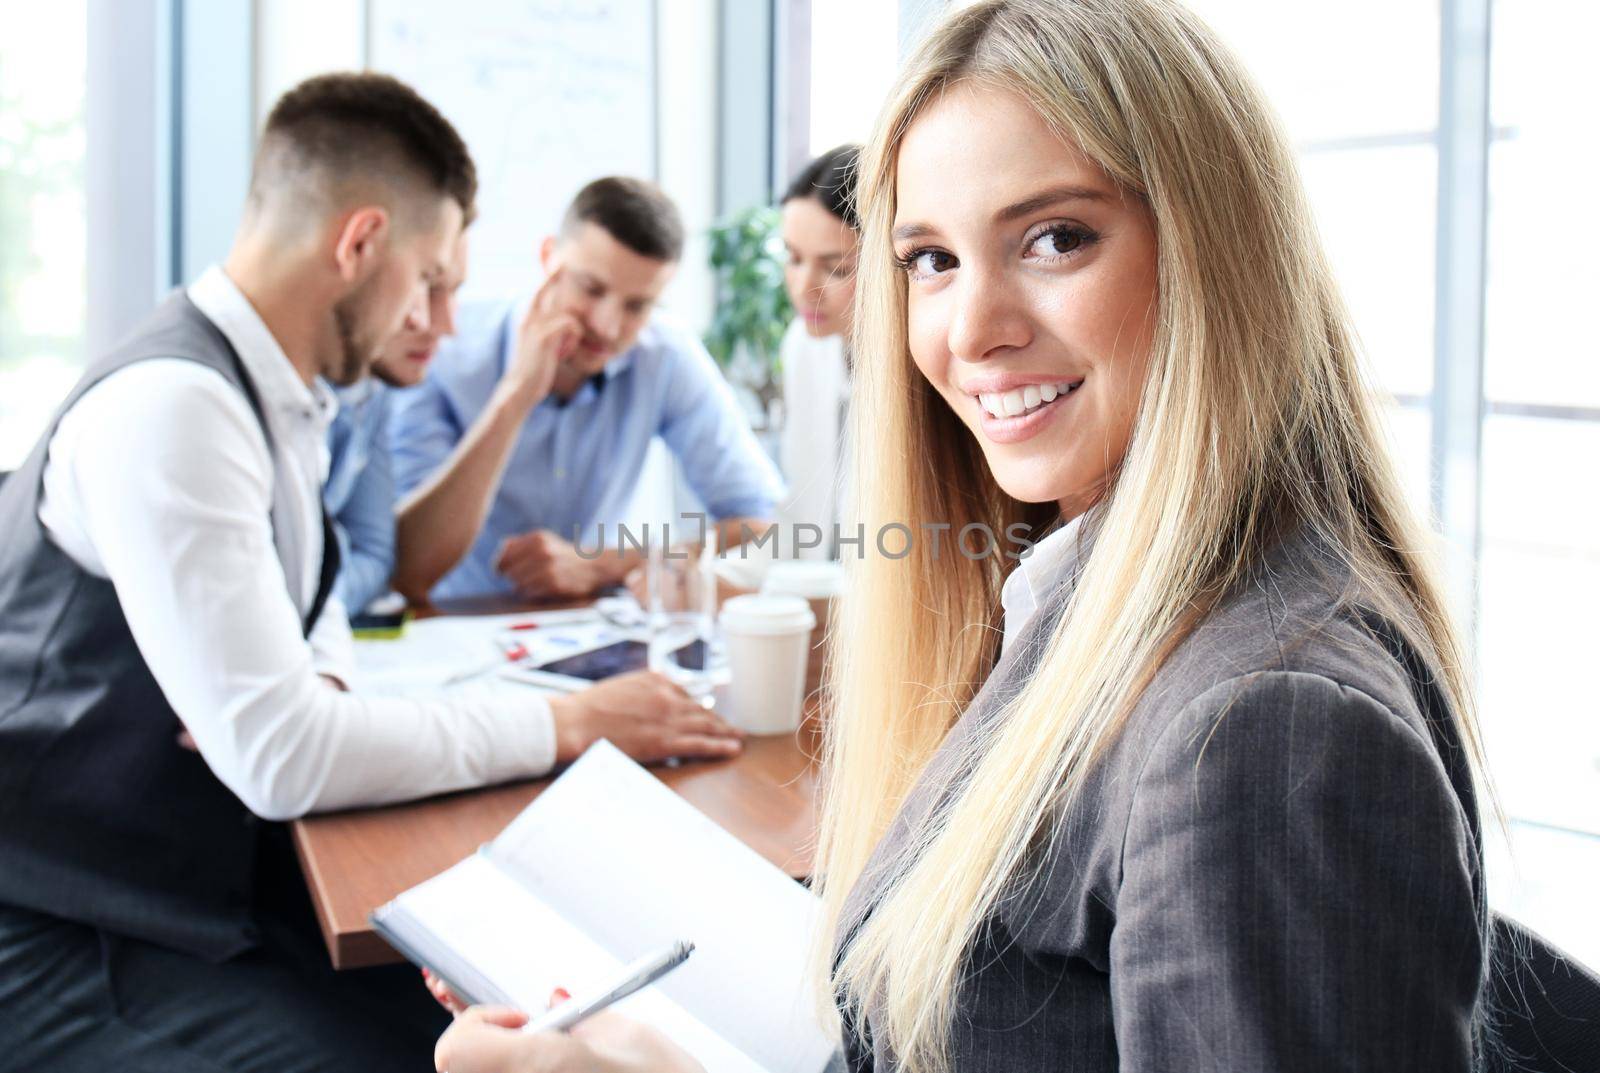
column 104, row 818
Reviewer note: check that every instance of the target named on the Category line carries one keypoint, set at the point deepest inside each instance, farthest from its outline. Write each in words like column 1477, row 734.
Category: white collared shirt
column 159, row 479
column 816, row 391
column 298, row 416
column 1033, row 578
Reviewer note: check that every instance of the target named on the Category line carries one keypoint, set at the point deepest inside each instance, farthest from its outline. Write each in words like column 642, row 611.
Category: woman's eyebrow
column 910, row 231
column 1026, row 207
column 1046, row 198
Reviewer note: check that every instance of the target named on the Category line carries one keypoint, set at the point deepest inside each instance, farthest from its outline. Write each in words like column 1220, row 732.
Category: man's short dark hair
column 831, row 179
column 634, row 212
column 363, row 126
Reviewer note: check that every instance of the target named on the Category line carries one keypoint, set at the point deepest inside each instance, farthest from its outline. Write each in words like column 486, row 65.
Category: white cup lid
column 765, row 615
column 813, row 580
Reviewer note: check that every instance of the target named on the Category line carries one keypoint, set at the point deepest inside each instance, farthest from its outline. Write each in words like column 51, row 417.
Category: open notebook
column 607, row 865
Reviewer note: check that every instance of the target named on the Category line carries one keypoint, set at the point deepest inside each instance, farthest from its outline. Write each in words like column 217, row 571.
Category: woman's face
column 1031, row 292
column 821, row 270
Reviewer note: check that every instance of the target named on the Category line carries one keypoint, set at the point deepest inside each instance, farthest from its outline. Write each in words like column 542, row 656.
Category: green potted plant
column 753, row 309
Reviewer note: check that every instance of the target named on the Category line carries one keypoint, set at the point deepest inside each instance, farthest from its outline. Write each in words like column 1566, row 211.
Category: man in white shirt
column 166, row 577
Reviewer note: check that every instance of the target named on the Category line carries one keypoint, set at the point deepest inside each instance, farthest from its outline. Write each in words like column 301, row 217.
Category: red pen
column 523, row 626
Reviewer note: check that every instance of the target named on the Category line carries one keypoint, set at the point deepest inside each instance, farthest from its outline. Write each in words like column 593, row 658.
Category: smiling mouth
column 1023, row 401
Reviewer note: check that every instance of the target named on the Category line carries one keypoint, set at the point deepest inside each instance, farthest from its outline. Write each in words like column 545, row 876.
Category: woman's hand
column 443, row 995
column 491, row 1040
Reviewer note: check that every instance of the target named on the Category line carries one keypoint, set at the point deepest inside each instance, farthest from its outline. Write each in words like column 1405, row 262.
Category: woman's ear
column 359, row 241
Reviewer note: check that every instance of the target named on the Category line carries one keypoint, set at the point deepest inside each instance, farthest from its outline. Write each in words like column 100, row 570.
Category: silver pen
column 641, row 974
column 510, row 652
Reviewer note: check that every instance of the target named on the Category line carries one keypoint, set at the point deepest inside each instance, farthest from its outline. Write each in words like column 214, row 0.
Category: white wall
column 126, row 178
column 686, row 124
column 686, row 162
column 295, row 39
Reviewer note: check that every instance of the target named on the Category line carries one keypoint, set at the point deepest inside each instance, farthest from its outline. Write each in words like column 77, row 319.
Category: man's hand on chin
column 543, row 566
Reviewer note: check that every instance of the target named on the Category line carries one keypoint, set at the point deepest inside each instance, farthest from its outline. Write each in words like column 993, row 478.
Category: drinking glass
column 685, row 644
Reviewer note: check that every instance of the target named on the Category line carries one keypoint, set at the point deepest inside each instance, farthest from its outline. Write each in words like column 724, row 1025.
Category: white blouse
column 816, row 395
column 1026, row 586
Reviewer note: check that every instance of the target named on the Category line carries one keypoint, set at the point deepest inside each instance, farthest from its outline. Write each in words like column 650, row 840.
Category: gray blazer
column 1276, row 868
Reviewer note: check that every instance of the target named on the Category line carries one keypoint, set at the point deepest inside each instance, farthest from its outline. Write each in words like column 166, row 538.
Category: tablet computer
column 586, row 667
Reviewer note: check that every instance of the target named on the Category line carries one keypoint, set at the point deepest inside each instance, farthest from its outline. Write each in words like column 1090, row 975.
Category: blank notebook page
column 528, row 951
column 635, row 867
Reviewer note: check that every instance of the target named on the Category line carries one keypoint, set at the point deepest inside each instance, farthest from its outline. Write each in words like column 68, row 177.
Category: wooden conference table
column 355, row 861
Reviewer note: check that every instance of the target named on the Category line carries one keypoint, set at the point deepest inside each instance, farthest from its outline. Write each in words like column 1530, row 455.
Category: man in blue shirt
column 360, row 492
column 532, row 426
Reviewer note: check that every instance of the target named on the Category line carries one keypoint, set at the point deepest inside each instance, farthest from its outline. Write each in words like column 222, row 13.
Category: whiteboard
column 548, row 94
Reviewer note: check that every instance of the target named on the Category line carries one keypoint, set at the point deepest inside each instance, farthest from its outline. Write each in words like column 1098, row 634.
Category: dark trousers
column 73, row 998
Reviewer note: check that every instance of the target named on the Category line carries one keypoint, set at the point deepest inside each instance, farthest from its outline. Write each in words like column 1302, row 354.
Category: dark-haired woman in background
column 820, row 236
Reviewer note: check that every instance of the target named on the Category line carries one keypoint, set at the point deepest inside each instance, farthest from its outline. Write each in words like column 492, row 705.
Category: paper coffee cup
column 768, row 639
column 819, row 583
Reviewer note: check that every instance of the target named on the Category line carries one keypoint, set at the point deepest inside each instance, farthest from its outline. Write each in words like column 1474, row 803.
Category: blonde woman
column 1192, row 786
column 1209, row 805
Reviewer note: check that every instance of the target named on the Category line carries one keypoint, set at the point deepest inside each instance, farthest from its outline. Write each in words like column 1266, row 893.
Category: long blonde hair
column 1255, row 414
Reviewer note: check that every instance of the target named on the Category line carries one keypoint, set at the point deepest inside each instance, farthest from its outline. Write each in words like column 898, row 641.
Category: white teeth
column 1023, row 399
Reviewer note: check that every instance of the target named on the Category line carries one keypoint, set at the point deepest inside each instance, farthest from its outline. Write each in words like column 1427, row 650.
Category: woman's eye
column 927, row 262
column 1059, row 241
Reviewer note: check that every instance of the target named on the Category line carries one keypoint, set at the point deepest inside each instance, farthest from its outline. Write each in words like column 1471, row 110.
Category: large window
column 1362, row 110
column 1540, row 545
column 42, row 238
column 1358, row 85
column 853, row 61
